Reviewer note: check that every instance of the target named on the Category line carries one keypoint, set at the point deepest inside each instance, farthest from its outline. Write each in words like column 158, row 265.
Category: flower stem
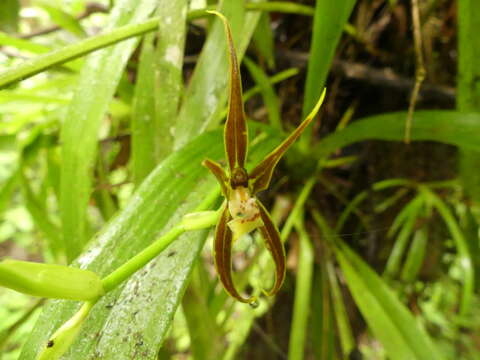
column 126, row 270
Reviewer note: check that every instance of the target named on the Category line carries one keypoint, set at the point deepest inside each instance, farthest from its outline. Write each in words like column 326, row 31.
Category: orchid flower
column 242, row 212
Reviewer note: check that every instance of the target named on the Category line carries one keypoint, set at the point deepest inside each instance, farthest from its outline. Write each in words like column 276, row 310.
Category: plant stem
column 126, row 270
column 141, row 259
column 81, row 48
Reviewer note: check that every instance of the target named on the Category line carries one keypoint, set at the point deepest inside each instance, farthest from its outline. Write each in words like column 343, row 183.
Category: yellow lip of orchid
column 243, row 212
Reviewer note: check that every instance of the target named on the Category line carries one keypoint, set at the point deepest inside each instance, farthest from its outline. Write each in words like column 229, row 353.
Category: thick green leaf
column 449, row 127
column 101, row 72
column 168, row 73
column 328, row 23
column 144, row 131
column 140, row 312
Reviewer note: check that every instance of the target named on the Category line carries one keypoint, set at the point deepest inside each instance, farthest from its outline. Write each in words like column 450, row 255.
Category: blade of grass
column 464, row 256
column 101, row 72
column 61, row 18
column 412, row 211
column 328, row 22
column 347, row 341
column 390, row 321
column 303, row 287
column 263, row 40
column 468, row 92
column 268, row 92
column 323, row 328
column 415, row 256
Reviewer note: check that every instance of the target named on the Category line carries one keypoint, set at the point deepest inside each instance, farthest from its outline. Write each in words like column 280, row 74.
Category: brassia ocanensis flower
column 242, row 212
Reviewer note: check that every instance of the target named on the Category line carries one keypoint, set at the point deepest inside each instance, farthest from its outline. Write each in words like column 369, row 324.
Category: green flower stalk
column 61, row 340
column 50, row 281
column 242, row 211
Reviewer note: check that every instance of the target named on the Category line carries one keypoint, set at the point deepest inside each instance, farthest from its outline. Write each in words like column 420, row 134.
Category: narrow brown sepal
column 274, row 245
column 261, row 175
column 236, row 134
column 217, row 170
column 222, row 253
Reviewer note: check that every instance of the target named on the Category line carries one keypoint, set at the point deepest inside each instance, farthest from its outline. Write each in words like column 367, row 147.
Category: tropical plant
column 107, row 209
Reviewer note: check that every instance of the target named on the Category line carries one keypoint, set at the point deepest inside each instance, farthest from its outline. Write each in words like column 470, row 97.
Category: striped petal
column 217, row 170
column 236, row 134
column 261, row 175
column 222, row 253
column 275, row 247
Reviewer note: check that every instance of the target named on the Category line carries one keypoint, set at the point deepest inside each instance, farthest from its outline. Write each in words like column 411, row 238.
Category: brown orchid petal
column 261, row 175
column 217, row 170
column 236, row 134
column 275, row 247
column 222, row 253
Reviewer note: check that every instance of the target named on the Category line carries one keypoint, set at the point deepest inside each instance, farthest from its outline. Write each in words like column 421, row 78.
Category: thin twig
column 380, row 77
column 419, row 71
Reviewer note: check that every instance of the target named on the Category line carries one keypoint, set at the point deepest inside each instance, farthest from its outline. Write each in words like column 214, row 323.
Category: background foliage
column 108, row 108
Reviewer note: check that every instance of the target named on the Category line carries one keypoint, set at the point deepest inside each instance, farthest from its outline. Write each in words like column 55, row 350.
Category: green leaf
column 463, row 250
column 449, row 127
column 61, row 18
column 9, row 10
column 22, row 44
column 263, row 40
column 328, row 23
column 468, row 89
column 303, row 288
column 101, row 72
column 390, row 321
column 347, row 341
column 416, row 255
column 268, row 92
column 144, row 131
column 168, row 72
column 411, row 213
column 67, row 53
column 145, row 305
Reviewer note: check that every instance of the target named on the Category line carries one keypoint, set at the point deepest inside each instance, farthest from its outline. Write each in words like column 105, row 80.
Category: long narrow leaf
column 449, row 127
column 101, row 72
column 328, row 23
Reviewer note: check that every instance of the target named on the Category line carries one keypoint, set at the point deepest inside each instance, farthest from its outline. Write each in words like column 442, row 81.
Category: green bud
column 51, row 281
column 61, row 340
